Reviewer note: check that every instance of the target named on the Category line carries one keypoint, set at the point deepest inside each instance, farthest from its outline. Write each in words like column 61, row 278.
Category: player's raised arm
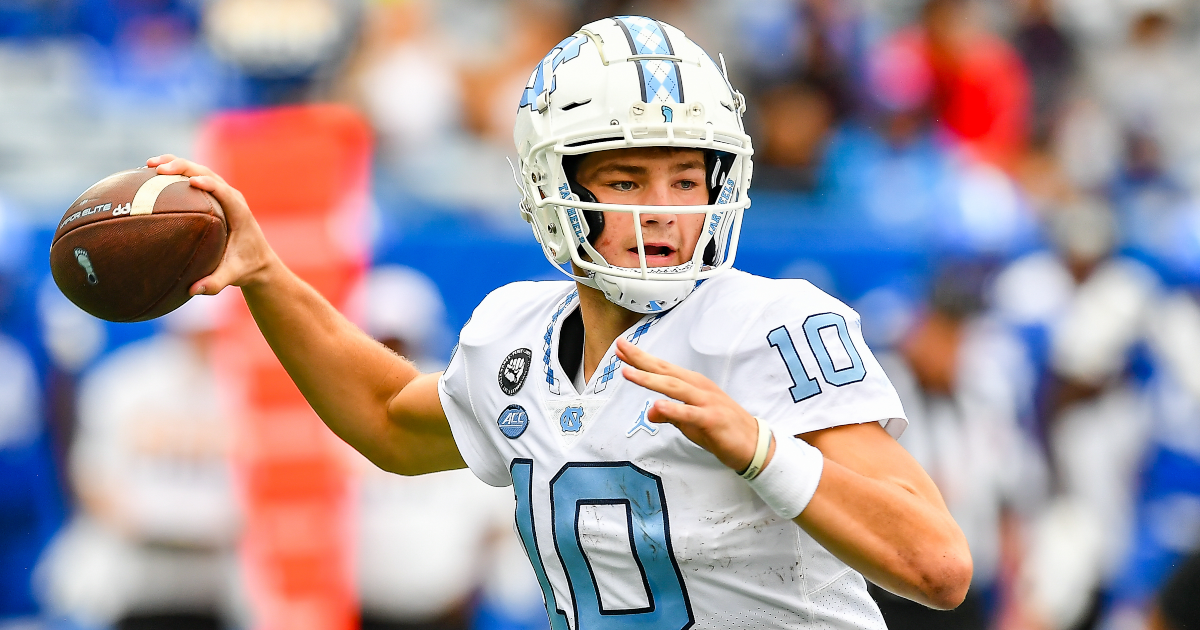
column 377, row 402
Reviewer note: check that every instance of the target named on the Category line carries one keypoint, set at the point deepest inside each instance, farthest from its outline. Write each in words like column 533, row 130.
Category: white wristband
column 760, row 450
column 790, row 479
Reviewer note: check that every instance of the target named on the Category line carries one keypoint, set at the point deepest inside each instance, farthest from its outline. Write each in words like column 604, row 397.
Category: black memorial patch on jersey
column 513, row 370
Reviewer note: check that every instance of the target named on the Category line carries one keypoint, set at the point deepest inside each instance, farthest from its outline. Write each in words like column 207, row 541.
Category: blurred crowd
column 1006, row 190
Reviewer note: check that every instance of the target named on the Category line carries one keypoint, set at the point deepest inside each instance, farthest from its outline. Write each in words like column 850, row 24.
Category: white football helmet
column 630, row 82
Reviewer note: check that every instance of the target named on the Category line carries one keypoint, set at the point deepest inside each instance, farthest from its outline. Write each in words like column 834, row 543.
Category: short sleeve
column 468, row 429
column 802, row 365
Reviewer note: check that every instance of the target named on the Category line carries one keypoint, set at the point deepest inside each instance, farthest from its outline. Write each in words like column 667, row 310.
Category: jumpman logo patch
column 643, row 423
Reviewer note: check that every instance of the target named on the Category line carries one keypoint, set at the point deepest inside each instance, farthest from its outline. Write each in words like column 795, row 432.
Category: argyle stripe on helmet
column 660, row 77
column 565, row 51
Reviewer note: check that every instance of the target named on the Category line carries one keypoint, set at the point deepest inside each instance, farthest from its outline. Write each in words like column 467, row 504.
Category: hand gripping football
column 130, row 246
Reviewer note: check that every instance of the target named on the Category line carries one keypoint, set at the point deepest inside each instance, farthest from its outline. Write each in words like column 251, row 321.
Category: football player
column 689, row 445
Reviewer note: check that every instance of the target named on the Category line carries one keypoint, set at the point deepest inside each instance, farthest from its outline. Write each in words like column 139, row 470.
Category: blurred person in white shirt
column 435, row 79
column 971, row 381
column 429, row 546
column 153, row 543
column 1146, row 80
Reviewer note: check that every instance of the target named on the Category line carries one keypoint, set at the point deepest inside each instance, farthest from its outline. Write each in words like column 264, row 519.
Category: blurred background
column 1006, row 190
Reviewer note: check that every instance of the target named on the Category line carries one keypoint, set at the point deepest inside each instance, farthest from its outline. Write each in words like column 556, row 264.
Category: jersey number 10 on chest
column 606, row 483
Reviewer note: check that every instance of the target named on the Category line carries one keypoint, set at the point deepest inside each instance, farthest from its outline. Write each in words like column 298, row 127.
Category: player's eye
column 622, row 186
column 687, row 184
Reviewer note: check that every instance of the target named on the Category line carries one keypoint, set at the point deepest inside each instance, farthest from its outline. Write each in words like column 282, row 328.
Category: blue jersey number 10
column 804, row 386
column 608, row 483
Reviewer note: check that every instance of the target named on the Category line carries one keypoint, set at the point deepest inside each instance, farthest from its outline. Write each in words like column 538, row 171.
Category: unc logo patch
column 571, row 419
column 513, row 421
column 513, row 370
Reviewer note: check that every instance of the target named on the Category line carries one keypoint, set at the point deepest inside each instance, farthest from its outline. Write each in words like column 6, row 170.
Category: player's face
column 648, row 176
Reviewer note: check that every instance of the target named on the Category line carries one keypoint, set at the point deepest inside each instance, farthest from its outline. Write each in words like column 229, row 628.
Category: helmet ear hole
column 710, row 253
column 594, row 218
column 717, row 165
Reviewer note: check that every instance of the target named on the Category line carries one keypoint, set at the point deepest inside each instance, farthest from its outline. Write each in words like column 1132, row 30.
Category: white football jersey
column 628, row 524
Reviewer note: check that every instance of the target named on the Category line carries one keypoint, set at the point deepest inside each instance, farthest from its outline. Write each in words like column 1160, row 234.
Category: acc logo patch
column 513, row 421
column 513, row 370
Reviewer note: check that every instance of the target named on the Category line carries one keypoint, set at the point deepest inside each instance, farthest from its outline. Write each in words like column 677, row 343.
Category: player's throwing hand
column 248, row 255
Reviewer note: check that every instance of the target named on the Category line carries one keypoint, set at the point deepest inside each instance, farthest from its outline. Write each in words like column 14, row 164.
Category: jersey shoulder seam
column 736, row 341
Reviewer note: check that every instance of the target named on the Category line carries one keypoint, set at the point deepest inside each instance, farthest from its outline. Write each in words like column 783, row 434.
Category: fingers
column 201, row 287
column 672, row 412
column 730, row 434
column 700, row 410
column 666, row 385
column 642, row 360
column 230, row 199
column 159, row 159
column 168, row 164
column 201, row 177
column 210, row 285
column 670, row 386
column 204, row 182
column 247, row 253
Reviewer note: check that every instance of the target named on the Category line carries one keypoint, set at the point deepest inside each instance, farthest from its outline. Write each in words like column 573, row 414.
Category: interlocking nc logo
column 571, row 419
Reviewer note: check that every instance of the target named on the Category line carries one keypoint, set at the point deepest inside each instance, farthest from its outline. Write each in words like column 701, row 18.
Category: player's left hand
column 703, row 413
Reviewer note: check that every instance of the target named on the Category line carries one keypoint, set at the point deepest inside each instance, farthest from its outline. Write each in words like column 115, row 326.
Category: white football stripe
column 143, row 201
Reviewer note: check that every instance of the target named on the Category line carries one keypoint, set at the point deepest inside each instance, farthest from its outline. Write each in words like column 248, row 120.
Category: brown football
column 129, row 247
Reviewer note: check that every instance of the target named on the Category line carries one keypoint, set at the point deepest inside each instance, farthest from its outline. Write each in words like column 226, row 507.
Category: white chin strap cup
column 644, row 296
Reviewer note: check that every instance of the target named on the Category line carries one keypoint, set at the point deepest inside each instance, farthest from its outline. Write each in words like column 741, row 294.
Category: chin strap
column 644, row 296
column 635, row 294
